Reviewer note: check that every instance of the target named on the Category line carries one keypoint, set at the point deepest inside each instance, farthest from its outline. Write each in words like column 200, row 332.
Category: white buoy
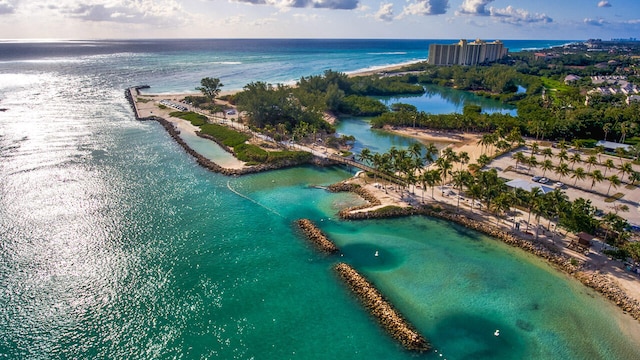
column 376, row 254
column 496, row 333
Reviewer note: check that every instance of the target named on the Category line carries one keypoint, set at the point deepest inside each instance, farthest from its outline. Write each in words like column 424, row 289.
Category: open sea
column 115, row 244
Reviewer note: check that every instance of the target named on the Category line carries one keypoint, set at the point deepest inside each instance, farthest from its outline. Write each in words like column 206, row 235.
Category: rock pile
column 317, row 237
column 382, row 310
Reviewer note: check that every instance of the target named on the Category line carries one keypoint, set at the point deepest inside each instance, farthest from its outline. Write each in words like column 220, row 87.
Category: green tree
column 210, row 88
column 614, row 181
column 596, row 177
column 578, row 174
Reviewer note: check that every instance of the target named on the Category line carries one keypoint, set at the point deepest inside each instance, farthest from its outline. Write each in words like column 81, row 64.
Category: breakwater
column 388, row 317
column 317, row 237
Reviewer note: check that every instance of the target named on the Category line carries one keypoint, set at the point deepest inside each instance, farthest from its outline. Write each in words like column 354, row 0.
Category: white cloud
column 385, row 13
column 123, row 11
column 508, row 15
column 604, row 3
column 320, row 4
column 595, row 22
column 474, row 7
column 426, row 7
column 6, row 7
column 514, row 16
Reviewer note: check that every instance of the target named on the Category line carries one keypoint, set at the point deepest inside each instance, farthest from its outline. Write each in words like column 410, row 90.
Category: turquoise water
column 115, row 244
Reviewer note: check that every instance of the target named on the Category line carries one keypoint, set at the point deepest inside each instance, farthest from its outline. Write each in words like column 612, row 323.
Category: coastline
column 604, row 284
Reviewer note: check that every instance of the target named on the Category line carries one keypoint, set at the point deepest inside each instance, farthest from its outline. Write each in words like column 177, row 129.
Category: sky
column 386, row 19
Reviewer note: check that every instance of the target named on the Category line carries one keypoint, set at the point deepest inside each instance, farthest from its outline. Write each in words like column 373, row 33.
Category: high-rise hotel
column 466, row 53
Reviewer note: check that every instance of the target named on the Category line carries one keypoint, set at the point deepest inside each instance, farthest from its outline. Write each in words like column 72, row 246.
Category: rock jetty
column 390, row 319
column 317, row 237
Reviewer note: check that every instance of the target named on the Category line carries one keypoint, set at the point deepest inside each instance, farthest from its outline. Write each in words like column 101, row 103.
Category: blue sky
column 407, row 19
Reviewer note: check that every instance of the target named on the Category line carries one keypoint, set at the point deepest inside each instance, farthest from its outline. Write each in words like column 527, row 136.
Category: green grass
column 195, row 118
column 554, row 84
column 230, row 138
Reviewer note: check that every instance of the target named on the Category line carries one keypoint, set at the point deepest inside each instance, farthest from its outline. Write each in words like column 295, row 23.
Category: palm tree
column 431, row 178
column 518, row 157
column 600, row 150
column 486, row 140
column 621, row 152
column 365, row 156
column 533, row 196
column 579, row 174
column 562, row 170
column 430, row 152
column 547, row 153
column 475, row 192
column 563, row 155
column 606, row 128
column 502, row 203
column 614, row 181
column 445, row 167
column 463, row 158
column 546, row 165
column 460, row 178
column 483, row 160
column 625, row 169
column 596, row 177
column 634, row 177
column 573, row 159
column 609, row 165
column 532, row 162
column 535, row 148
column 554, row 203
column 591, row 160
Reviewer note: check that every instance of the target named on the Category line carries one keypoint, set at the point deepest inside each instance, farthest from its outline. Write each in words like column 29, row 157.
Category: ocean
column 115, row 244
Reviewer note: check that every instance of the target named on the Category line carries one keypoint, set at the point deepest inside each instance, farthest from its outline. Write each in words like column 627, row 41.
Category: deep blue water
column 115, row 244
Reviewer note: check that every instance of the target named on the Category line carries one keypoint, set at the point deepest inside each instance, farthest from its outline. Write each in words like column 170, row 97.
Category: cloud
column 385, row 13
column 474, row 7
column 595, row 22
column 6, row 7
column 124, row 11
column 426, row 7
column 514, row 16
column 318, row 4
column 604, row 3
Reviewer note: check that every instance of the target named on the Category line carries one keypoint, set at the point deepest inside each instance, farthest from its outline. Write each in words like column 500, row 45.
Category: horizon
column 317, row 19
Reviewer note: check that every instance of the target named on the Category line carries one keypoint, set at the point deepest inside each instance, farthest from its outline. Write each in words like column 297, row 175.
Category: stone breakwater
column 317, row 237
column 388, row 317
column 596, row 280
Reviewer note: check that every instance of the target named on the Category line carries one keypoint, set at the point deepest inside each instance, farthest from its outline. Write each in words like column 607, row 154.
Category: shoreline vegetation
column 388, row 208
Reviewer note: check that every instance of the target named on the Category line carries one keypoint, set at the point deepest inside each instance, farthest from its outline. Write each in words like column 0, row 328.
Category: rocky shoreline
column 382, row 310
column 317, row 237
column 571, row 266
column 206, row 163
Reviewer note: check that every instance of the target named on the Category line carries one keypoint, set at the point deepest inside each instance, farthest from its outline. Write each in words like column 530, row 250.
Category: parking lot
column 576, row 189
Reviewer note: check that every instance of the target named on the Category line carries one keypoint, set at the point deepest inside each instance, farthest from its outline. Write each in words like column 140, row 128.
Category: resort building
column 466, row 53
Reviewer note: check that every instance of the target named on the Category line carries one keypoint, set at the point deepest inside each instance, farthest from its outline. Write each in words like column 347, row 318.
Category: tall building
column 466, row 53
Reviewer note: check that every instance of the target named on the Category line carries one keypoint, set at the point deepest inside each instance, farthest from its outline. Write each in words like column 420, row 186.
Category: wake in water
column 250, row 199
